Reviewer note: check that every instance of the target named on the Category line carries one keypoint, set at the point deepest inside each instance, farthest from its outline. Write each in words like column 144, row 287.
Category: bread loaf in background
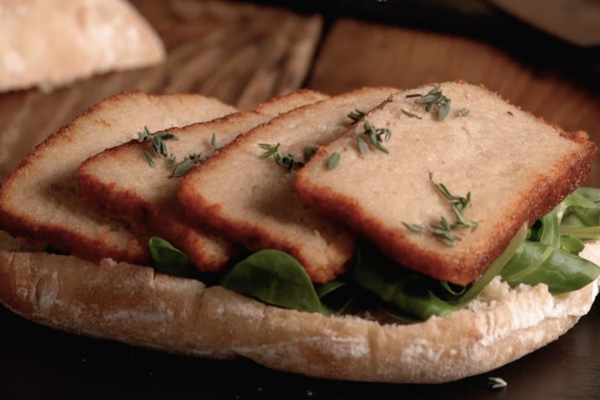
column 47, row 44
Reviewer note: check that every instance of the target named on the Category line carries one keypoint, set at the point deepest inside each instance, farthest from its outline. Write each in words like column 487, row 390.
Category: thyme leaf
column 434, row 100
column 414, row 227
column 269, row 150
column 362, row 146
column 457, row 203
column 333, row 160
column 377, row 135
column 495, row 382
column 157, row 142
column 213, row 142
column 286, row 160
column 172, row 160
column 309, row 151
column 410, row 114
column 356, row 115
column 463, row 112
column 443, row 228
column 182, row 167
column 148, row 157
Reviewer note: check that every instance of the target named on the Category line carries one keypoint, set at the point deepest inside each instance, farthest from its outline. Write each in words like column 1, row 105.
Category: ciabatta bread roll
column 47, row 44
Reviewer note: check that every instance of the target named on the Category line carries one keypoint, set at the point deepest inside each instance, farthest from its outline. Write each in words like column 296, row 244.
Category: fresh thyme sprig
column 495, row 382
column 443, row 228
column 458, row 203
column 434, row 100
column 157, row 142
column 463, row 112
column 213, row 142
column 333, row 160
column 376, row 137
column 286, row 160
column 182, row 167
column 356, row 114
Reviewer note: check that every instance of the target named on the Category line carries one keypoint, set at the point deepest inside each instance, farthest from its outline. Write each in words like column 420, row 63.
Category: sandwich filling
column 545, row 253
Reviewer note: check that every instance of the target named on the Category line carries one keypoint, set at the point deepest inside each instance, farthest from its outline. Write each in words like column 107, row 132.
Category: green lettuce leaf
column 275, row 278
column 405, row 289
column 169, row 259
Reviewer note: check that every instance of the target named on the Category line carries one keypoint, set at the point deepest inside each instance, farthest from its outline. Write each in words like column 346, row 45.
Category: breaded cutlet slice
column 250, row 198
column 120, row 181
column 515, row 167
column 39, row 200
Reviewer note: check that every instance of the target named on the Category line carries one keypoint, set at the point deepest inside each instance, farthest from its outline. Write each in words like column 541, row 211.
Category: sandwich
column 468, row 242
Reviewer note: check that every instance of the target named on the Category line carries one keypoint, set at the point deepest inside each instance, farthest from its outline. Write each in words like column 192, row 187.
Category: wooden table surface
column 244, row 53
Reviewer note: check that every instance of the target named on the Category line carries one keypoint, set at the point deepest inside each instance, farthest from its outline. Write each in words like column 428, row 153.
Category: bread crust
column 135, row 305
column 39, row 200
column 468, row 258
column 262, row 210
column 120, row 183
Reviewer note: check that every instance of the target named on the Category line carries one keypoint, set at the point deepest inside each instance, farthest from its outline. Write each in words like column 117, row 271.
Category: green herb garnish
column 356, row 115
column 495, row 382
column 157, row 141
column 443, row 228
column 213, row 142
column 182, row 167
column 333, row 160
column 434, row 100
column 458, row 203
column 172, row 161
column 463, row 112
column 409, row 114
column 309, row 151
column 361, row 145
column 414, row 227
column 148, row 157
column 286, row 160
column 377, row 135
column 270, row 149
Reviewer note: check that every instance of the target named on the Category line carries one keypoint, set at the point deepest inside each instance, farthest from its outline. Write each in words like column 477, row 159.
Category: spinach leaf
column 275, row 278
column 336, row 295
column 410, row 291
column 169, row 259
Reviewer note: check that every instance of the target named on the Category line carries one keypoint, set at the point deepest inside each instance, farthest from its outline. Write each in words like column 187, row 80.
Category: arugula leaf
column 550, row 257
column 495, row 267
column 275, row 278
column 579, row 214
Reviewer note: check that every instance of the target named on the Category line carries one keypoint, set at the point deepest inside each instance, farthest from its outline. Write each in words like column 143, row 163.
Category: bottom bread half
column 139, row 306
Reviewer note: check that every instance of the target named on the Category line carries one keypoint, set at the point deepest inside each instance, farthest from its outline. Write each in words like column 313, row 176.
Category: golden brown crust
column 262, row 210
column 135, row 305
column 152, row 207
column 39, row 200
